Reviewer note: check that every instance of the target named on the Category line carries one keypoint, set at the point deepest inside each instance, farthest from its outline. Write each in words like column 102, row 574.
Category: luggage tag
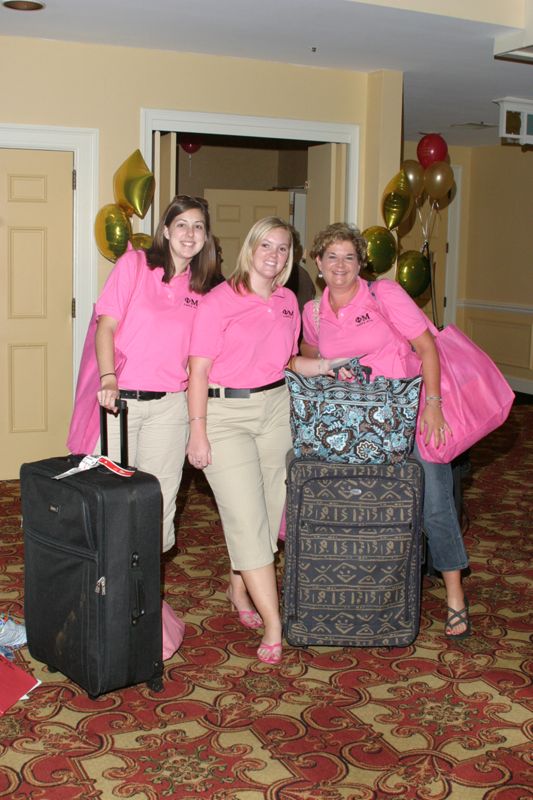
column 90, row 462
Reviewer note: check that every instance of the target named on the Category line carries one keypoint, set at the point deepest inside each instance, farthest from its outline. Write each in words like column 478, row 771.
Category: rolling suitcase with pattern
column 353, row 553
column 92, row 588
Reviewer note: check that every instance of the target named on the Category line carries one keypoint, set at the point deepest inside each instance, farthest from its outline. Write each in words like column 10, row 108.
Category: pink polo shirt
column 360, row 329
column 249, row 339
column 155, row 323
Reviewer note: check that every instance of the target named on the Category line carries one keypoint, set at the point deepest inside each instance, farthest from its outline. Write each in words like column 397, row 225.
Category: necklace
column 344, row 300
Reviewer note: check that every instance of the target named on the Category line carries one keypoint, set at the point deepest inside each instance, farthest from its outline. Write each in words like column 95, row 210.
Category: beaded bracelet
column 191, row 419
column 108, row 373
column 434, row 398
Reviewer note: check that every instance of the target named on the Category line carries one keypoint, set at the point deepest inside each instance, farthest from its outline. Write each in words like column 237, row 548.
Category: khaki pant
column 157, row 436
column 249, row 440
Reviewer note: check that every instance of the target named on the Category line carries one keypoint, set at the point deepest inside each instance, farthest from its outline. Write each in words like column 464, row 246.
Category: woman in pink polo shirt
column 245, row 332
column 359, row 319
column 146, row 310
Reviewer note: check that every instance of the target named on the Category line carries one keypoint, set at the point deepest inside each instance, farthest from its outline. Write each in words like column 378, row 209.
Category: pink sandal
column 271, row 653
column 248, row 618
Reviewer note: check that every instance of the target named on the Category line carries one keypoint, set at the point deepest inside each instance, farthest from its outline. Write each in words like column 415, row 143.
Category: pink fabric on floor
column 283, row 526
column 173, row 631
column 85, row 422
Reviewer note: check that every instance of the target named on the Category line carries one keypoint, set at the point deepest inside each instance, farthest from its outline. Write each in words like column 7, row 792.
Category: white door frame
column 153, row 119
column 83, row 143
column 452, row 256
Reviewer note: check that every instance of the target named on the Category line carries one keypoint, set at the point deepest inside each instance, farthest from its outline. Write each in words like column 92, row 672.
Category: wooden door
column 234, row 211
column 326, row 193
column 36, row 309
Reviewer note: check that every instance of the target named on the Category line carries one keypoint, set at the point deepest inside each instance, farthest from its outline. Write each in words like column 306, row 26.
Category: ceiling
column 450, row 74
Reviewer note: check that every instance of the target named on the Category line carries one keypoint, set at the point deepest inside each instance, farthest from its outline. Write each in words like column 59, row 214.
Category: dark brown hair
column 203, row 264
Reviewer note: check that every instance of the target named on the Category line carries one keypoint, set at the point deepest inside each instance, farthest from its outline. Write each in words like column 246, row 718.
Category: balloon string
column 432, row 288
column 422, row 225
column 431, row 221
column 429, row 255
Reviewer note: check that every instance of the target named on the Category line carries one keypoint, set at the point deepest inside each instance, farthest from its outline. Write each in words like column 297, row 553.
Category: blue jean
column 441, row 525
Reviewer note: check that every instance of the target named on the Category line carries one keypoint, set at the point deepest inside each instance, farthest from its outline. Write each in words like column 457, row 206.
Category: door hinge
column 447, row 247
column 444, row 303
column 73, row 308
column 74, row 179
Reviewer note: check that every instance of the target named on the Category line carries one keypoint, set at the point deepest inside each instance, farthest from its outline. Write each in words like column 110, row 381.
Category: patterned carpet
column 434, row 720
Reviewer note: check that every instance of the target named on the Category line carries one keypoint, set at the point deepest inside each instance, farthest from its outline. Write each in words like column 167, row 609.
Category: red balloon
column 190, row 147
column 431, row 148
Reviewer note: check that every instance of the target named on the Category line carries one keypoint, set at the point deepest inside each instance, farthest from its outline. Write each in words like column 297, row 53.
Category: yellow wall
column 495, row 280
column 78, row 85
column 500, row 255
column 214, row 167
column 103, row 87
column 381, row 141
column 498, row 287
column 222, row 167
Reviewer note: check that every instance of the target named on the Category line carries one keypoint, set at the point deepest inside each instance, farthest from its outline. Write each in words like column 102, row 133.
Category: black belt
column 225, row 392
column 140, row 394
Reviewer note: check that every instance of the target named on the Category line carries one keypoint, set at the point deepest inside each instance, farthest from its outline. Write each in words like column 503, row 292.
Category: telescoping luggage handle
column 123, row 418
column 103, row 460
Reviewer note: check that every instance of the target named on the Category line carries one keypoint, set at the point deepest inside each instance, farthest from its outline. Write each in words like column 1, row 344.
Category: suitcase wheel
column 156, row 684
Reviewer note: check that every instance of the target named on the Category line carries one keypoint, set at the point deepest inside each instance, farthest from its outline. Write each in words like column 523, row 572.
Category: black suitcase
column 353, row 553
column 92, row 586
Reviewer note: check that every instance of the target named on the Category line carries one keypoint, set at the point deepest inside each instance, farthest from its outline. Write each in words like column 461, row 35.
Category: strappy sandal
column 269, row 653
column 457, row 618
column 248, row 617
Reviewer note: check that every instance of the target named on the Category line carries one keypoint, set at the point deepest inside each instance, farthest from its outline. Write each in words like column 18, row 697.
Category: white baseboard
column 513, row 308
column 524, row 385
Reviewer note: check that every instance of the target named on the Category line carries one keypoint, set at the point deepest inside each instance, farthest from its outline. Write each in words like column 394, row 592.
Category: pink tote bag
column 476, row 398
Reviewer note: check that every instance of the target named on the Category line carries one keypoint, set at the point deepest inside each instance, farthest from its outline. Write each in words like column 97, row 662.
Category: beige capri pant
column 249, row 440
column 157, row 436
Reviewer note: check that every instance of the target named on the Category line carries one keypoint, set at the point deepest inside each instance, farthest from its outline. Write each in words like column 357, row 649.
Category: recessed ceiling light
column 23, row 5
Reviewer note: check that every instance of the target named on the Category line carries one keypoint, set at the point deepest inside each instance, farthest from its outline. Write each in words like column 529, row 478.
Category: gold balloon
column 397, row 200
column 112, row 231
column 414, row 272
column 438, row 180
column 380, row 249
column 141, row 241
column 414, row 172
column 134, row 185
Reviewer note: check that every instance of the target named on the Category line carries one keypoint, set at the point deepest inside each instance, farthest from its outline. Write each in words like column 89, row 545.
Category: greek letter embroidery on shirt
column 191, row 302
column 287, row 312
column 362, row 319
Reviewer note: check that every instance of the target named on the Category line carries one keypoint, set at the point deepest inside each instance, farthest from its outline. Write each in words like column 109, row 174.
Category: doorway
column 234, row 125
